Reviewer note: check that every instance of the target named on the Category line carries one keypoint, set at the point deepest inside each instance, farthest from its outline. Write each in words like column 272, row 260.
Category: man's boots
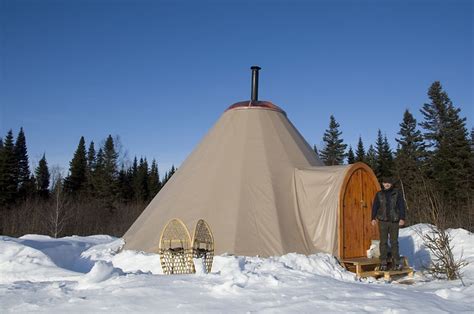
column 397, row 265
column 383, row 265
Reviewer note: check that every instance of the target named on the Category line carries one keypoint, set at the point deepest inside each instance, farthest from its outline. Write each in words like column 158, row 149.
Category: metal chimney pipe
column 255, row 69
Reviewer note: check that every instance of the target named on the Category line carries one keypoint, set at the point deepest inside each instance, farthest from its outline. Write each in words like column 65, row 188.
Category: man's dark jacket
column 388, row 206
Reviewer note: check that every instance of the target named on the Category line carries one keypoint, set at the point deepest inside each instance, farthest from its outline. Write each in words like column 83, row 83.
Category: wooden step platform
column 370, row 267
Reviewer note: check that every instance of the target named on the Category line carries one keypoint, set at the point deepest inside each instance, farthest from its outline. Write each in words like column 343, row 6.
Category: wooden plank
column 371, row 261
column 386, row 274
column 362, row 261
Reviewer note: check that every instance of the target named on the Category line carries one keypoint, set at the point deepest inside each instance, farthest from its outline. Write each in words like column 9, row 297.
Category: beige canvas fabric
column 242, row 180
column 317, row 196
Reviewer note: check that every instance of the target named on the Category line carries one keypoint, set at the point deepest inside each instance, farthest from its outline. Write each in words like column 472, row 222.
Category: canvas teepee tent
column 261, row 188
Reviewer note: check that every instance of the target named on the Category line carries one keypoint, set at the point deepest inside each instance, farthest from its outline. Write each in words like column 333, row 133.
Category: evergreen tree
column 91, row 158
column 106, row 174
column 388, row 155
column 25, row 185
column 409, row 160
column 472, row 160
column 411, row 139
column 435, row 115
column 110, row 167
column 472, row 147
column 384, row 159
column 153, row 180
column 371, row 158
column 333, row 152
column 141, row 181
column 42, row 178
column 168, row 175
column 411, row 151
column 360, row 152
column 76, row 181
column 125, row 184
column 135, row 167
column 350, row 156
column 8, row 171
column 315, row 150
column 450, row 153
column 99, row 161
column 472, row 140
column 90, row 169
column 98, row 180
column 110, row 158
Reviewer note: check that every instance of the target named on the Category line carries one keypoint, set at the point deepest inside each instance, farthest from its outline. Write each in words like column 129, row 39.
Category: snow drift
column 92, row 274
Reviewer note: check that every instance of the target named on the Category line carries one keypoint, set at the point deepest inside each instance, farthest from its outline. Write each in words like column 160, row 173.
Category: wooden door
column 370, row 187
column 357, row 231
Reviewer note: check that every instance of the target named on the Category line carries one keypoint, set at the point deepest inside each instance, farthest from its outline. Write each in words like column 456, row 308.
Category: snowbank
column 80, row 274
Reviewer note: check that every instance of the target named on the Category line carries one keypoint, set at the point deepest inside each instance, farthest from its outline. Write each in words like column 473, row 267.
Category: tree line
column 101, row 194
column 98, row 195
column 433, row 160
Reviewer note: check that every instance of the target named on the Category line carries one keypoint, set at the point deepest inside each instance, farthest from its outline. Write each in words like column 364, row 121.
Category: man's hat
column 390, row 180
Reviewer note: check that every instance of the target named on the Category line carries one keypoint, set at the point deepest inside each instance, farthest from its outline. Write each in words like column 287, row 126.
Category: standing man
column 389, row 210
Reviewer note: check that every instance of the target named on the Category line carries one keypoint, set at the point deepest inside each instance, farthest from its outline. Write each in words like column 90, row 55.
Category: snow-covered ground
column 89, row 274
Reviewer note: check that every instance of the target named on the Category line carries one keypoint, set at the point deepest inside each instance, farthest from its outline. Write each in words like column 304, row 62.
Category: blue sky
column 160, row 73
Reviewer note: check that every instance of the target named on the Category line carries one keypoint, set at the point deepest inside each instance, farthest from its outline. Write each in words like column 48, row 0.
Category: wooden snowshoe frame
column 175, row 249
column 203, row 244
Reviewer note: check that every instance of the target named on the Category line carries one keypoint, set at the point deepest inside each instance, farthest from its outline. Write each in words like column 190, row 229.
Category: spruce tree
column 135, row 167
column 472, row 156
column 105, row 174
column 435, row 114
column 125, row 184
column 75, row 182
column 409, row 161
column 110, row 158
column 334, row 150
column 153, row 180
column 25, row 185
column 371, row 158
column 384, row 158
column 411, row 139
column 98, row 180
column 168, row 175
column 450, row 153
column 99, row 161
column 472, row 140
column 471, row 181
column 91, row 158
column 141, row 181
column 360, row 152
column 350, row 156
column 388, row 156
column 42, row 178
column 90, row 169
column 110, row 167
column 8, row 171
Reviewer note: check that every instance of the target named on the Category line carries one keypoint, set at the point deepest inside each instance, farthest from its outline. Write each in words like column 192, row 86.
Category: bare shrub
column 439, row 242
column 58, row 212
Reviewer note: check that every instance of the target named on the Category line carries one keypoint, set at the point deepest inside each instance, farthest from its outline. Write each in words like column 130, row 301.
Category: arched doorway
column 357, row 195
